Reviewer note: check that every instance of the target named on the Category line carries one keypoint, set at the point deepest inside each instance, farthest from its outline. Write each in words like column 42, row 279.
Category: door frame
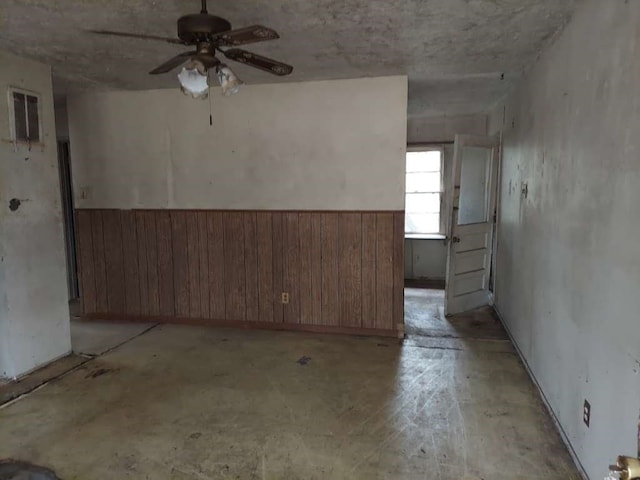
column 68, row 216
column 496, row 217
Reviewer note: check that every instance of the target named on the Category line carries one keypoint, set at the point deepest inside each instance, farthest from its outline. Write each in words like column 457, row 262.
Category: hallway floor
column 424, row 316
column 184, row 402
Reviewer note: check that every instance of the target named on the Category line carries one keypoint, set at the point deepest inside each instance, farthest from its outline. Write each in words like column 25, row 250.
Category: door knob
column 455, row 239
column 627, row 468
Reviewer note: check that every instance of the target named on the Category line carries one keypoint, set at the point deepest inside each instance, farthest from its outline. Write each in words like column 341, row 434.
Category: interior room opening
column 425, row 237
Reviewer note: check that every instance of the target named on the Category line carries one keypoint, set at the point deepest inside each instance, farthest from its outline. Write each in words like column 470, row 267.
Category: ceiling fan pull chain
column 210, row 108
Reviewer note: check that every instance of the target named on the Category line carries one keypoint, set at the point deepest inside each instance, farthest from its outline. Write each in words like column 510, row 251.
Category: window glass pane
column 20, row 116
column 423, row 182
column 32, row 117
column 474, row 183
column 423, row 203
column 422, row 223
column 423, row 161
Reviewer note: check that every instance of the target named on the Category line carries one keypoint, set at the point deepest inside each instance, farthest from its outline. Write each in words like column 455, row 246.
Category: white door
column 475, row 166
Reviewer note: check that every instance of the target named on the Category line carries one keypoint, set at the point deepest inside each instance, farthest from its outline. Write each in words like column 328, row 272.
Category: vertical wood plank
column 154, row 263
column 235, row 278
column 264, row 231
column 143, row 267
column 251, row 266
column 369, row 269
column 180, row 262
column 350, row 268
column 291, row 274
column 203, row 248
column 278, row 259
column 398, row 269
column 330, row 292
column 306, row 262
column 86, row 270
column 316, row 268
column 166, row 295
column 193, row 263
column 215, row 250
column 215, row 238
column 384, row 271
column 130, row 259
column 114, row 260
column 97, row 238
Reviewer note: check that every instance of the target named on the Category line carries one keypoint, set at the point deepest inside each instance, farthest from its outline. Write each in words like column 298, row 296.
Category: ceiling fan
column 211, row 34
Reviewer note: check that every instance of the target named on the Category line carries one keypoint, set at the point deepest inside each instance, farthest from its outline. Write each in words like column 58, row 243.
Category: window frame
column 429, row 147
column 12, row 115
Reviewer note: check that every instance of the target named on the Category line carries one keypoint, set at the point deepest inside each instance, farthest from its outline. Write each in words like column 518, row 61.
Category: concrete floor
column 184, row 402
column 96, row 338
column 424, row 317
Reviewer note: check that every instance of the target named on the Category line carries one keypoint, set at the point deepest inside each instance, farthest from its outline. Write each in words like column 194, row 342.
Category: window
column 26, row 118
column 423, row 191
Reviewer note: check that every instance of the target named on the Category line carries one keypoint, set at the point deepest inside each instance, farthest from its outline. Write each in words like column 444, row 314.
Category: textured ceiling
column 455, row 52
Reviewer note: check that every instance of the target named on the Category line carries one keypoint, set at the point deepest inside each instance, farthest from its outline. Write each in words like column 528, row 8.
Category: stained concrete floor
column 424, row 317
column 183, row 402
column 96, row 338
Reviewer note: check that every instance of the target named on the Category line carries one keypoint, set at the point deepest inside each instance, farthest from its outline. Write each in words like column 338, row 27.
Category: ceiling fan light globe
column 193, row 80
column 229, row 81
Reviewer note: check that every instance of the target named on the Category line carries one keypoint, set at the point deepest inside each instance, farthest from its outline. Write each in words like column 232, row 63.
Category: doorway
column 427, row 168
column 448, row 261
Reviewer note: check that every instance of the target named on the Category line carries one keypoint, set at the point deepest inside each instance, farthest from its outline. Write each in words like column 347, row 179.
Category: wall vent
column 25, row 115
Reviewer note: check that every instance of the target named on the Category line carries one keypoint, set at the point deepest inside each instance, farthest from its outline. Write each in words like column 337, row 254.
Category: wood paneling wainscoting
column 343, row 271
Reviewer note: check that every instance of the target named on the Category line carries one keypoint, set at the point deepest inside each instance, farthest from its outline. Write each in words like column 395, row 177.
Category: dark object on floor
column 98, row 373
column 15, row 470
column 302, row 361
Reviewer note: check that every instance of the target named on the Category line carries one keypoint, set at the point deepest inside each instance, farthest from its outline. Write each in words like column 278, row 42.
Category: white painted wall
column 425, row 259
column 429, row 129
column 34, row 314
column 329, row 145
column 568, row 269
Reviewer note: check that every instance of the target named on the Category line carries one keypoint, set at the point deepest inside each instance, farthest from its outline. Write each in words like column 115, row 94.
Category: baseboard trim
column 247, row 325
column 545, row 401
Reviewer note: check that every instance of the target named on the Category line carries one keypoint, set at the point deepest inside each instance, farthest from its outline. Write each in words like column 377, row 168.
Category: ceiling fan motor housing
column 199, row 27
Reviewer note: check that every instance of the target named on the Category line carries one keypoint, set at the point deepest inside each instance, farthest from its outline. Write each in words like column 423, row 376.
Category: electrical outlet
column 285, row 297
column 586, row 413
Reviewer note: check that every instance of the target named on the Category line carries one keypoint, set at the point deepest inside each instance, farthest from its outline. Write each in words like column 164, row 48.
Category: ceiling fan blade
column 172, row 63
column 242, row 36
column 138, row 35
column 258, row 61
